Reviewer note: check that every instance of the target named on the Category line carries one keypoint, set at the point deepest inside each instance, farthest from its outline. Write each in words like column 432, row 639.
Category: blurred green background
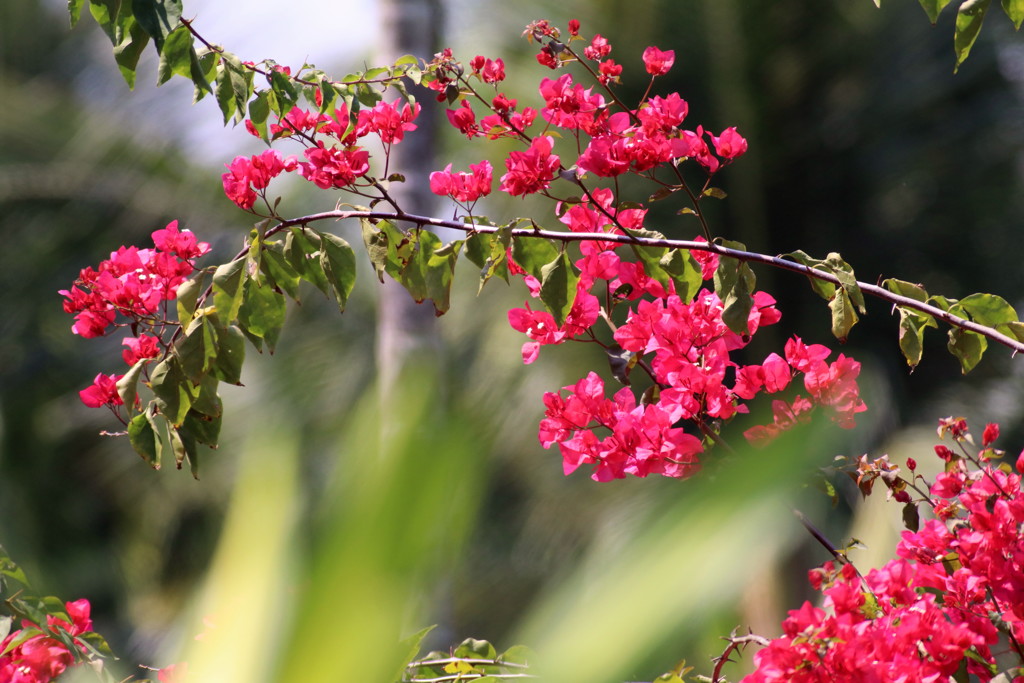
column 305, row 547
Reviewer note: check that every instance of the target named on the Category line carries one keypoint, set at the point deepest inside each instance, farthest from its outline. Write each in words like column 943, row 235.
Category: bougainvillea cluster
column 953, row 597
column 682, row 344
column 679, row 340
column 31, row 655
column 132, row 289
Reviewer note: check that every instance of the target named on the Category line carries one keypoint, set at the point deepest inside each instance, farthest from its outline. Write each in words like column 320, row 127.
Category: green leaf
column 172, row 389
column 471, row 648
column 339, row 265
column 826, row 290
column 234, row 85
column 176, row 56
column 911, row 517
column 158, row 17
column 684, row 271
column 493, row 253
column 558, row 287
column 478, row 248
column 844, row 316
column 533, row 253
column 933, row 7
column 203, row 428
column 204, row 70
column 143, row 439
column 376, row 242
column 230, row 354
column 907, row 289
column 912, row 326
column 127, row 386
column 10, row 569
column 187, row 298
column 228, row 290
column 1013, row 8
column 967, row 346
column 197, row 349
column 651, row 258
column 988, row 309
column 969, row 18
column 206, row 400
column 668, row 678
column 129, row 49
column 278, row 270
column 440, row 270
column 412, row 646
column 105, row 13
column 734, row 284
column 301, row 250
column 259, row 112
column 74, row 11
column 844, row 273
column 177, row 446
column 284, row 90
column 262, row 313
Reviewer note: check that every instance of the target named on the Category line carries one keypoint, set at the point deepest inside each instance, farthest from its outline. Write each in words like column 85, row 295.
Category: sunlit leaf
column 176, row 56
column 533, row 253
column 967, row 346
column 301, row 250
column 158, row 17
column 969, row 18
column 844, row 317
column 932, row 8
column 197, row 348
column 339, row 265
column 172, row 389
column 262, row 313
column 734, row 284
column 128, row 51
column 228, row 290
column 988, row 309
column 144, row 440
column 74, row 11
column 1015, row 10
column 127, row 386
column 558, row 287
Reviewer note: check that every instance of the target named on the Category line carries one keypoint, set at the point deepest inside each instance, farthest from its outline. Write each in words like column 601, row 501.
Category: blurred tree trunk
column 406, row 331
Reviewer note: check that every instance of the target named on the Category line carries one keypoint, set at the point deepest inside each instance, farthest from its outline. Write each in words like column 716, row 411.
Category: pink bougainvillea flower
column 182, row 244
column 489, row 70
column 387, row 121
column 463, row 187
column 333, row 167
column 464, row 119
column 658, row 62
column 598, row 49
column 531, row 171
column 246, row 175
column 102, row 391
column 729, row 144
column 143, row 346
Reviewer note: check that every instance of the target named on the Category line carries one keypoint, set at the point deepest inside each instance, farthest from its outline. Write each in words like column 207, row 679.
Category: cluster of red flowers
column 134, row 283
column 31, row 655
column 695, row 379
column 333, row 159
column 954, row 592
